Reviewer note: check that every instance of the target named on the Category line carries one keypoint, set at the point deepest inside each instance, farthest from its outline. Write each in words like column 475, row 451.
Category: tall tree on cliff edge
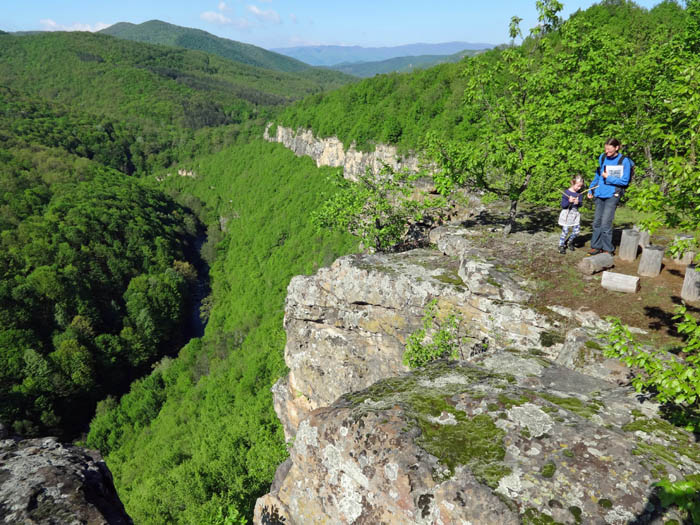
column 547, row 105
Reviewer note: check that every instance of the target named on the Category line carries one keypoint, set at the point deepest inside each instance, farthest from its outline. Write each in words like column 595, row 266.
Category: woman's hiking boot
column 562, row 248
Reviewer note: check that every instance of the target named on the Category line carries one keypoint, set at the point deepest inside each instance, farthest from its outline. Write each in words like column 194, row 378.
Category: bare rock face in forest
column 530, row 425
column 331, row 152
column 43, row 481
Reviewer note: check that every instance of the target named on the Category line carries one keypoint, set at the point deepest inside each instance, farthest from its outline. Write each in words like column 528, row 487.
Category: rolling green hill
column 157, row 32
column 154, row 85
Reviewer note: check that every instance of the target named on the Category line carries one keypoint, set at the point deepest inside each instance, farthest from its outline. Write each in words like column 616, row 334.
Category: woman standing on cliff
column 612, row 176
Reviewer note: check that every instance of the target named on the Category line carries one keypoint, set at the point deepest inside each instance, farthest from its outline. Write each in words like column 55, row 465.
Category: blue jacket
column 607, row 187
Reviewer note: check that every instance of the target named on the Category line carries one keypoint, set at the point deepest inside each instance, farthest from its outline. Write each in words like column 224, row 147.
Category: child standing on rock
column 570, row 218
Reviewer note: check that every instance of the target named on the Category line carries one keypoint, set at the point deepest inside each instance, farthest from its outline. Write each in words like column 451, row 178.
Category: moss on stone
column 576, row 513
column 509, row 402
column 574, row 405
column 593, row 345
column 473, row 442
column 548, row 339
column 476, row 442
column 450, row 278
column 568, row 453
column 548, row 469
column 534, row 517
column 493, row 282
column 605, row 503
column 682, row 443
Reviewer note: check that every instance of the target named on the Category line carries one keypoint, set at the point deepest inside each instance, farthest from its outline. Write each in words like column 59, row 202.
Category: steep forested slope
column 122, row 79
column 94, row 282
column 199, row 436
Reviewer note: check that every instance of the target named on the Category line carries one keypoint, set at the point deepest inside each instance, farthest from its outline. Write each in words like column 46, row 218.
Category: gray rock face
column 45, row 482
column 347, row 325
column 471, row 444
column 331, row 152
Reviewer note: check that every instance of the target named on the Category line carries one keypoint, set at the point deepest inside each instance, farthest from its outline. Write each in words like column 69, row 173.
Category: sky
column 288, row 23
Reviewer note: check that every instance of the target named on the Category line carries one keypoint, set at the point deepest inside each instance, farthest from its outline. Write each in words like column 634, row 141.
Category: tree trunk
column 691, row 284
column 618, row 282
column 596, row 263
column 629, row 245
column 510, row 227
column 650, row 262
column 644, row 237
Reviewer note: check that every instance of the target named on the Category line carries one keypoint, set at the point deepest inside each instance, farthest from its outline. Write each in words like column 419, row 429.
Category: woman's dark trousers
column 602, row 223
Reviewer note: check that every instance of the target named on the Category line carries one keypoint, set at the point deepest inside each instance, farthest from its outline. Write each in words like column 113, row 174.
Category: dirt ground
column 532, row 252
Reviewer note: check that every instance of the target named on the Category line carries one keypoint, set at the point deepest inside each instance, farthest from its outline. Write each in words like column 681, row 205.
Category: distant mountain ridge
column 400, row 64
column 337, row 55
column 163, row 33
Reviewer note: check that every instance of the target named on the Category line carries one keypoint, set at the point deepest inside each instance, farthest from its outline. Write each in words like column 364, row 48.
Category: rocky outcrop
column 532, row 425
column 331, row 152
column 45, row 482
column 516, row 439
column 347, row 326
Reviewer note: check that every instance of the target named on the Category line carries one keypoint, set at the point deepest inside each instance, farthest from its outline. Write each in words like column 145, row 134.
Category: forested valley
column 119, row 158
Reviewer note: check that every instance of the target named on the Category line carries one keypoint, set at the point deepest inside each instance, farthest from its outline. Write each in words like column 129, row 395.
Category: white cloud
column 215, row 18
column 266, row 16
column 223, row 6
column 293, row 18
column 221, row 19
column 50, row 25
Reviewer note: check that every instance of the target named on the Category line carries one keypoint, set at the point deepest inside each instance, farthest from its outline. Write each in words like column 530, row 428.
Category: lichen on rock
column 454, row 442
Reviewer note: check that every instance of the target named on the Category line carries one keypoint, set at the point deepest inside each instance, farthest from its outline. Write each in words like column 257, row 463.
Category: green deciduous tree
column 378, row 208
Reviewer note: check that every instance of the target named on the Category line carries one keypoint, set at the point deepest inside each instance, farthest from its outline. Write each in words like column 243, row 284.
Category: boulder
column 512, row 439
column 43, row 481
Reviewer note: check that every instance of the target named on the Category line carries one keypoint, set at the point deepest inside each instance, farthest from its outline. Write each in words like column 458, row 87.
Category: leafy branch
column 436, row 339
column 671, row 379
column 379, row 209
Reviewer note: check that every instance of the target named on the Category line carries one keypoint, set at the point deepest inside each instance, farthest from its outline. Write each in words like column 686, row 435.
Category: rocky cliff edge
column 531, row 426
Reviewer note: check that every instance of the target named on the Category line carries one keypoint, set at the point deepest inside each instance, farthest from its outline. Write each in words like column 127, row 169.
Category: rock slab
column 46, row 482
column 458, row 443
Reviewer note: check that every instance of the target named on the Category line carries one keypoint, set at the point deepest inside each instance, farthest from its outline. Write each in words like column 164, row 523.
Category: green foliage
column 672, row 200
column 422, row 101
column 198, row 440
column 518, row 122
column 437, row 339
column 88, row 292
column 152, row 85
column 378, row 209
column 684, row 494
column 673, row 380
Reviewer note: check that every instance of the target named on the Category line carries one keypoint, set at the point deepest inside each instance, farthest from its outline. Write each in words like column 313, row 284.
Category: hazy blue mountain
column 158, row 32
column 399, row 64
column 336, row 55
